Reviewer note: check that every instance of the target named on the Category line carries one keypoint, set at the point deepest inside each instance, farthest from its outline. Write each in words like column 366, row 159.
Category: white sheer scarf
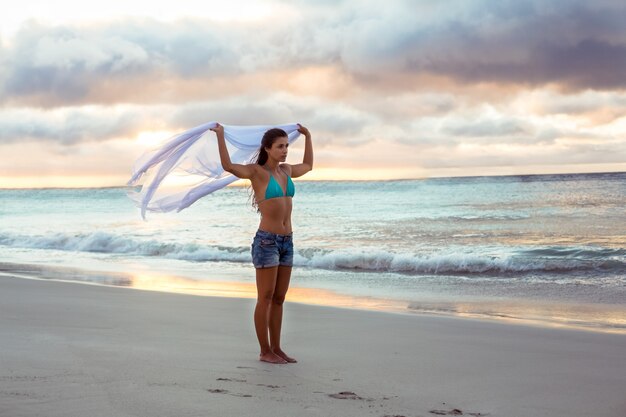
column 187, row 166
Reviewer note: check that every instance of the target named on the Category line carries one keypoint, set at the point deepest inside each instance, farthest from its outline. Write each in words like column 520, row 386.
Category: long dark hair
column 268, row 140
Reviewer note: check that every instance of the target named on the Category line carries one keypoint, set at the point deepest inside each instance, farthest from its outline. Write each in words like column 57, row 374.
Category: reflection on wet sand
column 304, row 295
column 603, row 318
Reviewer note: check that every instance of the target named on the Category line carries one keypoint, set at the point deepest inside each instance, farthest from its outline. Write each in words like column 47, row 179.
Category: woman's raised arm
column 238, row 170
column 299, row 170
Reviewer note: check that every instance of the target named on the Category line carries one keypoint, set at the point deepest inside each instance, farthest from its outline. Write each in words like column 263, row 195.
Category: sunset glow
column 412, row 90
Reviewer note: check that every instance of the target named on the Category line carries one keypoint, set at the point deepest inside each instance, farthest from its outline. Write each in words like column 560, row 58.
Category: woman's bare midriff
column 276, row 215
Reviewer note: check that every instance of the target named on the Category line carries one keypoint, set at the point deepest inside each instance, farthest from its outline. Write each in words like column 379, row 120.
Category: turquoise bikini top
column 274, row 189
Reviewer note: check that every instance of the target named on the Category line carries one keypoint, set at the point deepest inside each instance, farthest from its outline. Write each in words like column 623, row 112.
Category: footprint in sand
column 231, row 379
column 345, row 395
column 218, row 391
column 455, row 412
column 224, row 391
column 349, row 395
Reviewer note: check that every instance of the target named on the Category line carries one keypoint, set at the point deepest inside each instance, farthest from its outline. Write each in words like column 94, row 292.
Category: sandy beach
column 71, row 349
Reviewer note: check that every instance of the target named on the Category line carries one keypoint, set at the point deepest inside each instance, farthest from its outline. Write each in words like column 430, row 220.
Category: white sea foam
column 452, row 261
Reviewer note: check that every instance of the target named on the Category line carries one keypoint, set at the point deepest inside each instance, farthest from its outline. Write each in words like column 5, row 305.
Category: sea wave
column 457, row 263
column 102, row 242
column 448, row 261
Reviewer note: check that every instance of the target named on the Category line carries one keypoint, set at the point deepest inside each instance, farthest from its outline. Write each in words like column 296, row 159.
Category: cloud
column 586, row 64
column 576, row 45
column 68, row 126
column 113, row 158
column 68, row 64
column 573, row 45
column 72, row 125
column 590, row 108
column 412, row 85
column 486, row 128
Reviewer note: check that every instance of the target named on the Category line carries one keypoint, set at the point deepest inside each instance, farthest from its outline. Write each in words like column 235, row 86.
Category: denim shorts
column 270, row 249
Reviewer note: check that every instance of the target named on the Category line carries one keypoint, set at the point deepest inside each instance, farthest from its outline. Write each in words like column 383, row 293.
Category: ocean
column 542, row 249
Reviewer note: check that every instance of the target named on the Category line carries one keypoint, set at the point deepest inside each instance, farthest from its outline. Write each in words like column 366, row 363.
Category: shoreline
column 240, row 183
column 548, row 314
column 74, row 350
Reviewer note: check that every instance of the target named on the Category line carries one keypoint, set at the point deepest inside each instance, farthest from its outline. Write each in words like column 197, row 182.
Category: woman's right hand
column 219, row 129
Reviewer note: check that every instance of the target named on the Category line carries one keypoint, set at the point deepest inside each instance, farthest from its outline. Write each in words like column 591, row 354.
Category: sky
column 389, row 90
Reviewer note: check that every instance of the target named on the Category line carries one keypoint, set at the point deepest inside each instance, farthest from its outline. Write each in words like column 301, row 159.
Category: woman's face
column 279, row 149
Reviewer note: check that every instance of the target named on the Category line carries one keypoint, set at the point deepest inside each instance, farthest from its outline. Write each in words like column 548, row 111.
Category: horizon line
column 342, row 180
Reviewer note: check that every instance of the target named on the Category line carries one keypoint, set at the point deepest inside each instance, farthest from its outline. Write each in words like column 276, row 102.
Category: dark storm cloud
column 568, row 44
column 587, row 64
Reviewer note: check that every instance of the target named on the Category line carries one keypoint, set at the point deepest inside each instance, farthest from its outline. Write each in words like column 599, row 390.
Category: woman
column 272, row 247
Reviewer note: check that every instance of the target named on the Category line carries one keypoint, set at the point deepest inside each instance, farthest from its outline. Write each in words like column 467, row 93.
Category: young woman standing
column 272, row 246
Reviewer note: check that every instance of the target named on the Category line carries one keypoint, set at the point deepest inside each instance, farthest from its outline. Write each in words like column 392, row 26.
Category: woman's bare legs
column 276, row 311
column 266, row 279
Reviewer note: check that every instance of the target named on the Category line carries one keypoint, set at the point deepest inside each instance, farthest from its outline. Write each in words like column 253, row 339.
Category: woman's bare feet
column 271, row 358
column 284, row 356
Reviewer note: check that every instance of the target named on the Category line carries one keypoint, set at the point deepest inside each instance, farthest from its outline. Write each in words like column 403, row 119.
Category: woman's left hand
column 303, row 130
